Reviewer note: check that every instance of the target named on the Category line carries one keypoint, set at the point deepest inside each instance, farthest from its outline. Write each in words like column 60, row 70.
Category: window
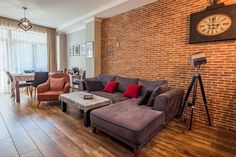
column 20, row 50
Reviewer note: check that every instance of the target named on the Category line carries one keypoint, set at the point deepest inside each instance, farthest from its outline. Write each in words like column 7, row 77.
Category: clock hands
column 214, row 25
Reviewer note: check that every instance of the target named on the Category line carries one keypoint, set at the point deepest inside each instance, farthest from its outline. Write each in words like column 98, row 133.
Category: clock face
column 214, row 25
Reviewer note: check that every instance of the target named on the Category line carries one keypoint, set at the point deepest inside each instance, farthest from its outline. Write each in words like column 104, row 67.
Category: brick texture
column 154, row 45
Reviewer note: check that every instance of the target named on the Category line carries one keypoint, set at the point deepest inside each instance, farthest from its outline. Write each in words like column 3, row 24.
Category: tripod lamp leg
column 191, row 120
column 204, row 99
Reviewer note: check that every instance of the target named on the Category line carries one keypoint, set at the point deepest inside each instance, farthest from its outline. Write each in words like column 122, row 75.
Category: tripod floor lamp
column 196, row 60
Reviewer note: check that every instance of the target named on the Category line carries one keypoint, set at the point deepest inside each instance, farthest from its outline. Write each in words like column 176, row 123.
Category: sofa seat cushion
column 128, row 120
column 49, row 96
column 115, row 97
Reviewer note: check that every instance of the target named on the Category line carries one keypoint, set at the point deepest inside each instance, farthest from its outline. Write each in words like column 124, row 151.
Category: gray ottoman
column 130, row 123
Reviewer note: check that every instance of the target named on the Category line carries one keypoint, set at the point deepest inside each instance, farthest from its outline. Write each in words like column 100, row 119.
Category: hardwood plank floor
column 28, row 131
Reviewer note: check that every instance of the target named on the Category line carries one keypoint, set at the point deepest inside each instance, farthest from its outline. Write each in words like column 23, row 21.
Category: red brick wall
column 154, row 45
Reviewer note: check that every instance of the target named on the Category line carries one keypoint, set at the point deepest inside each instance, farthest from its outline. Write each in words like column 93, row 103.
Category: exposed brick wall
column 154, row 45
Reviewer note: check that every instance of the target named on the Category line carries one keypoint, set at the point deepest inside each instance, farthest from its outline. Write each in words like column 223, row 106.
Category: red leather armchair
column 45, row 94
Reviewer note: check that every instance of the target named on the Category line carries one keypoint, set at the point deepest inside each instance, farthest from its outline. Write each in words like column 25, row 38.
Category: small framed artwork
column 71, row 51
column 83, row 49
column 89, row 49
column 77, row 50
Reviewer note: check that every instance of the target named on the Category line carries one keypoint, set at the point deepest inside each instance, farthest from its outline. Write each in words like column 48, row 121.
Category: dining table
column 20, row 77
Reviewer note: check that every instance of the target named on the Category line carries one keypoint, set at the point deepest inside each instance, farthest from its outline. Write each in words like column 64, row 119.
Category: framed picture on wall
column 71, row 51
column 89, row 49
column 77, row 50
column 83, row 49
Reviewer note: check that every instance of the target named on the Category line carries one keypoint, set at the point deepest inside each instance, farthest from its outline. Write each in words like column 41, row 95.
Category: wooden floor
column 28, row 131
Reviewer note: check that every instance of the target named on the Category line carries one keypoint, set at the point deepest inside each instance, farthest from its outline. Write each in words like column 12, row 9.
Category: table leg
column 86, row 118
column 17, row 91
column 63, row 106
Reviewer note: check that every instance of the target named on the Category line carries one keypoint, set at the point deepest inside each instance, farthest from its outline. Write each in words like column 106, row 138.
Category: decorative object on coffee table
column 88, row 96
column 217, row 22
column 86, row 105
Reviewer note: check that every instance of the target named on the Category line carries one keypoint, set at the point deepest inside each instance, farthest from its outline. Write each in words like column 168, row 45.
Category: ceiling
column 66, row 15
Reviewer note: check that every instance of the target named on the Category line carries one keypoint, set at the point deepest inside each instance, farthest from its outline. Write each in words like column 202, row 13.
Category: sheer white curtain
column 19, row 51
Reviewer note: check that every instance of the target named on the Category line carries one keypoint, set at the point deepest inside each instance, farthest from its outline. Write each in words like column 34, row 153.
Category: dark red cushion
column 111, row 87
column 132, row 91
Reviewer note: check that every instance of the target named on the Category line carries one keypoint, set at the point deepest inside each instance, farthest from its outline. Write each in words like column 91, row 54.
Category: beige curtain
column 52, row 58
column 51, row 39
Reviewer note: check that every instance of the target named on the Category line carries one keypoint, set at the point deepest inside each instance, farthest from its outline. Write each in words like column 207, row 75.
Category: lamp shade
column 25, row 24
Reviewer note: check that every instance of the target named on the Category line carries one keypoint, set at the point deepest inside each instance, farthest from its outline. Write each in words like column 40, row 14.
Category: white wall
column 90, row 37
column 92, row 32
column 61, row 51
column 73, row 39
column 98, row 48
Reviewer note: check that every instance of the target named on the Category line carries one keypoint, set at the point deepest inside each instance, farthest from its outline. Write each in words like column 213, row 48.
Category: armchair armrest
column 67, row 88
column 169, row 102
column 43, row 87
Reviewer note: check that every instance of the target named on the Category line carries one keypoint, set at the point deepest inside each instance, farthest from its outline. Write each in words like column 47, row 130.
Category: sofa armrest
column 169, row 102
column 67, row 88
column 44, row 87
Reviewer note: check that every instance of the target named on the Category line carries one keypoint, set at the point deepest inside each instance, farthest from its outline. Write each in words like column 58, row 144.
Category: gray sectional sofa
column 127, row 121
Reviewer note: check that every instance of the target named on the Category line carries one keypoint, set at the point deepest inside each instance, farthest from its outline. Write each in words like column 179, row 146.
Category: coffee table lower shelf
column 86, row 114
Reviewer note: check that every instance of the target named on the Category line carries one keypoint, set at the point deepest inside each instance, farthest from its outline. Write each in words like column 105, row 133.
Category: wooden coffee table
column 77, row 99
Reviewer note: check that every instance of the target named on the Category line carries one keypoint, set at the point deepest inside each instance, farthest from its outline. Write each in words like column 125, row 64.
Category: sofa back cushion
column 124, row 82
column 144, row 99
column 105, row 78
column 157, row 91
column 94, row 85
column 150, row 85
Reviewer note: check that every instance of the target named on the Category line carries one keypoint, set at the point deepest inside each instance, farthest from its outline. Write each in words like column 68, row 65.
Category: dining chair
column 21, row 85
column 78, row 81
column 39, row 78
column 29, row 72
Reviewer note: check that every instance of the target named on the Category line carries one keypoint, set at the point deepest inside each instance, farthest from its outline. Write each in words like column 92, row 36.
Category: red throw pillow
column 132, row 90
column 57, row 84
column 111, row 87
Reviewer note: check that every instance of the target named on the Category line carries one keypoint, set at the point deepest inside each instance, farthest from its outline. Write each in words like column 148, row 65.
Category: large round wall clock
column 215, row 23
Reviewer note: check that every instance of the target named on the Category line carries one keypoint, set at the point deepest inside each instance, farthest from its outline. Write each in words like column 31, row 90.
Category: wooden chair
column 21, row 85
column 78, row 81
column 39, row 78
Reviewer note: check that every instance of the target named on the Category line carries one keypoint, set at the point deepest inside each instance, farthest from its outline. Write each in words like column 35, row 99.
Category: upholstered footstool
column 128, row 122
